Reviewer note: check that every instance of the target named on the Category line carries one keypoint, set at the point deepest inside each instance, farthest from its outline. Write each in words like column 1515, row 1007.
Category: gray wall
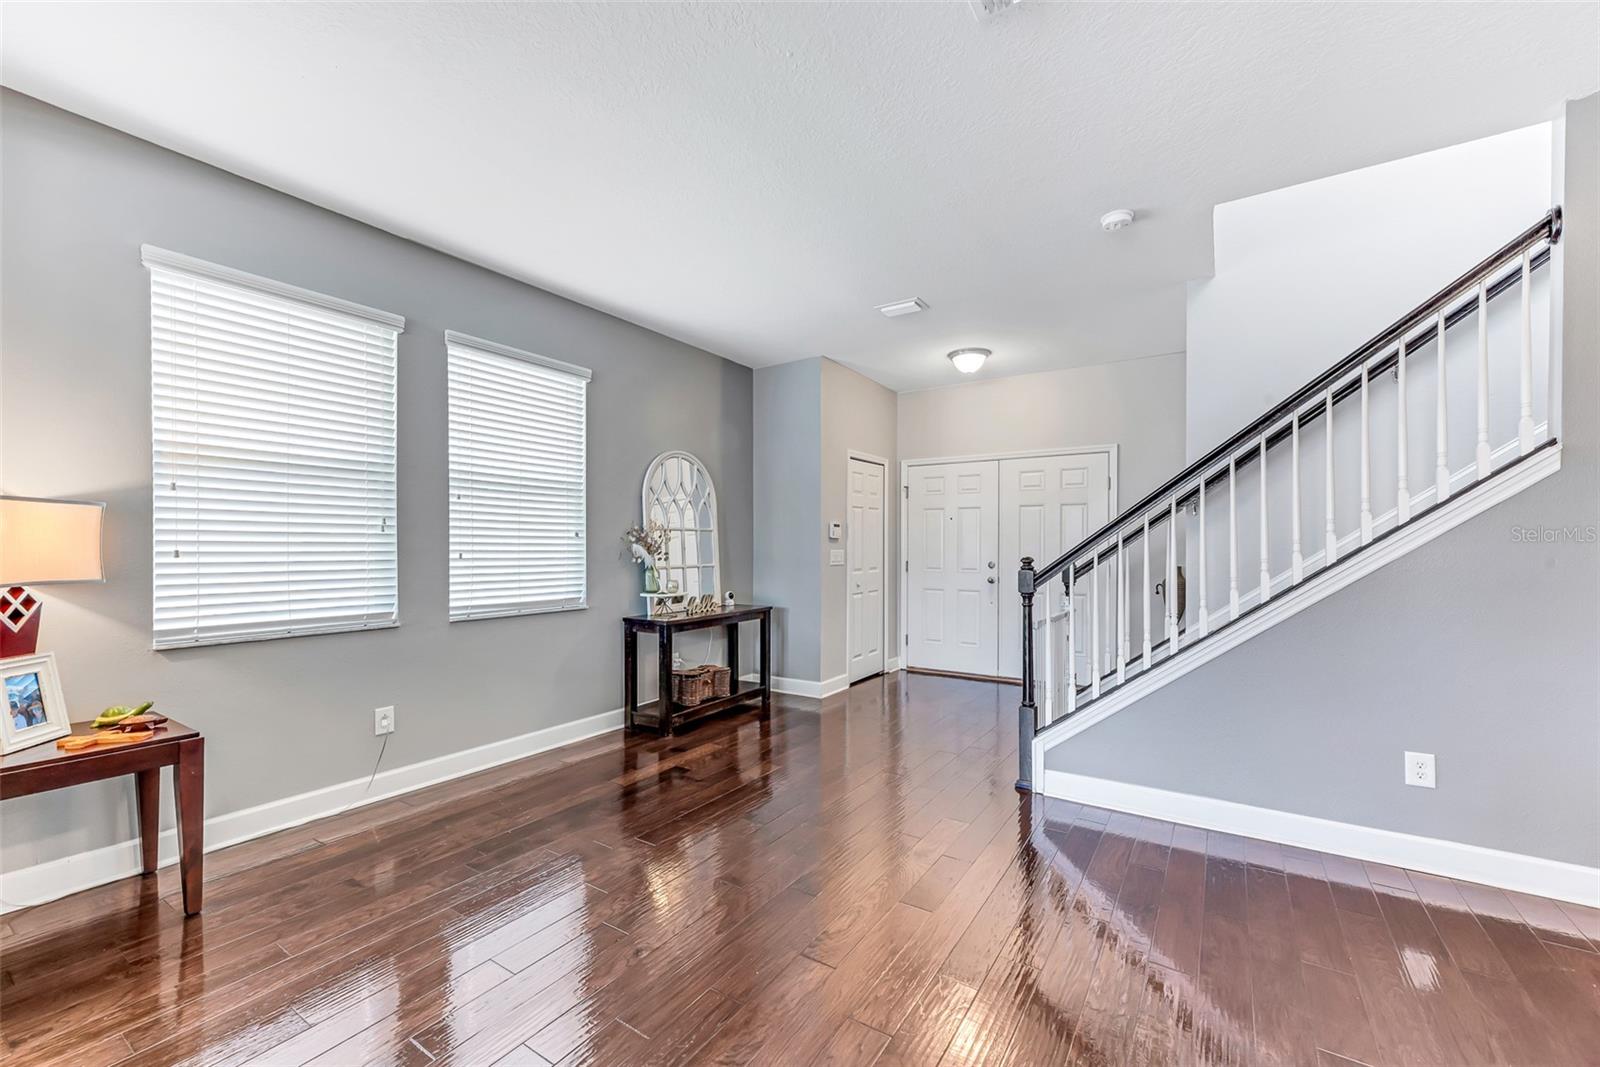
column 1137, row 404
column 283, row 717
column 1480, row 647
column 788, row 499
column 857, row 414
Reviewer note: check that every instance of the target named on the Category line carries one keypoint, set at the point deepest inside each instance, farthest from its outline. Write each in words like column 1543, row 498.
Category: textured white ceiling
column 753, row 178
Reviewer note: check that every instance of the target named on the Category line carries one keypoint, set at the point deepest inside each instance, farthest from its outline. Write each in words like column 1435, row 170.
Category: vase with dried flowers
column 647, row 544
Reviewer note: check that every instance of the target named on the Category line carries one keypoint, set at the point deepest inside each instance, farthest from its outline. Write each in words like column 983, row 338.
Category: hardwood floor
column 859, row 886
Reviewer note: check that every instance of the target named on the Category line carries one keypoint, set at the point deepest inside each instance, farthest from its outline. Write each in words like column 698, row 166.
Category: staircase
column 1439, row 417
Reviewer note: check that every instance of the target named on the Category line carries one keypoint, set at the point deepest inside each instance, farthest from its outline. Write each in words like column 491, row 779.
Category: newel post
column 1026, row 713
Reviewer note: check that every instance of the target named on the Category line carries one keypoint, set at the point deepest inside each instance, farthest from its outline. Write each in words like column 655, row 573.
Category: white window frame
column 459, row 511
column 272, row 296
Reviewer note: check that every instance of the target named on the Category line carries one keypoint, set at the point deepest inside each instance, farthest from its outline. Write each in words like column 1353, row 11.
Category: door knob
column 991, row 579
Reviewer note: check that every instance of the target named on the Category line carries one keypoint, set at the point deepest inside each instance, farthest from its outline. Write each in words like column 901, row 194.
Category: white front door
column 1047, row 505
column 952, row 567
column 864, row 551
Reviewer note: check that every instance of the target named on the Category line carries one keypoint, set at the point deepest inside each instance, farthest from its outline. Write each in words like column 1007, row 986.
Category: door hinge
column 908, row 640
column 908, row 566
column 905, row 491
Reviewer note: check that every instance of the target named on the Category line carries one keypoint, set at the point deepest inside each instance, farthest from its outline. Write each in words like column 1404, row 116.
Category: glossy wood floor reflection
column 855, row 886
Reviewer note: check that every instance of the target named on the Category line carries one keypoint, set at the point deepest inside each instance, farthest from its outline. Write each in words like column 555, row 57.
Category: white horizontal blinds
column 517, row 466
column 274, row 458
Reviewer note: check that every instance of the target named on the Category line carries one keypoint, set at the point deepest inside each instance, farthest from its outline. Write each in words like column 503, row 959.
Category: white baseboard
column 1452, row 859
column 892, row 666
column 71, row 874
column 803, row 687
column 1317, row 587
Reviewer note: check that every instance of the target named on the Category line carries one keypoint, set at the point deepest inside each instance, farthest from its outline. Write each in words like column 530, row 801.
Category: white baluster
column 1330, row 534
column 1049, row 656
column 1484, row 456
column 1233, row 540
column 1402, row 507
column 1072, row 643
column 1265, row 581
column 1525, row 440
column 1297, row 563
column 1366, row 461
column 1205, row 612
column 1441, row 420
column 1144, row 605
column 1122, row 611
column 1172, row 575
column 1096, row 667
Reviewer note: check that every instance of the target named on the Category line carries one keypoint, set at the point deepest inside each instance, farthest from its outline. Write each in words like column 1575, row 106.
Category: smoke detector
column 1120, row 219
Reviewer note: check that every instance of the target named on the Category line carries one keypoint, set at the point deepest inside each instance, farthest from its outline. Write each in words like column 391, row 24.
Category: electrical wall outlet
column 1419, row 769
column 383, row 720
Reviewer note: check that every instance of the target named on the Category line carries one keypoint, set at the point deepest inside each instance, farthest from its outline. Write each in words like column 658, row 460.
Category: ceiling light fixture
column 1120, row 219
column 902, row 307
column 968, row 360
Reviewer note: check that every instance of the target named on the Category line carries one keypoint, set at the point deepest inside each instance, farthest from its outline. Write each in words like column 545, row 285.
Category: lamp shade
column 45, row 541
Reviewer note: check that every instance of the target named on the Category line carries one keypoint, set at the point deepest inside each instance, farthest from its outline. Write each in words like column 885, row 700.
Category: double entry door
column 968, row 525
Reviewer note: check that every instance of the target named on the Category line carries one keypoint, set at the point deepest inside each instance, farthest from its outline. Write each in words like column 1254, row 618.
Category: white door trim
column 890, row 663
column 1111, row 450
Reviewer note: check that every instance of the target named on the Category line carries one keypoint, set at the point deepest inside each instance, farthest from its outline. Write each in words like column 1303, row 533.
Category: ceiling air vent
column 902, row 307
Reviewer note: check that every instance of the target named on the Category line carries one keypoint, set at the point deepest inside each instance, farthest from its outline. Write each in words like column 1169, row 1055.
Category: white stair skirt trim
column 1316, row 587
column 1450, row 859
column 85, row 870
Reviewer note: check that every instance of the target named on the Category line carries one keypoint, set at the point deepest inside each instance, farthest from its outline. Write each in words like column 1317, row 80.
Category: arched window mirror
column 679, row 495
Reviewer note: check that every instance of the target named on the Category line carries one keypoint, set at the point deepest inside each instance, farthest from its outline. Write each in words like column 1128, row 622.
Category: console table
column 45, row 767
column 665, row 714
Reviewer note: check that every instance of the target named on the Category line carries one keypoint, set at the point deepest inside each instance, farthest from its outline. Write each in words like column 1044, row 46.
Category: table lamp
column 42, row 541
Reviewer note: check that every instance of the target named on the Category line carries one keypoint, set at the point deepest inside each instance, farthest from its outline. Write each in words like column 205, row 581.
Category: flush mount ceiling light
column 1120, row 219
column 902, row 307
column 968, row 360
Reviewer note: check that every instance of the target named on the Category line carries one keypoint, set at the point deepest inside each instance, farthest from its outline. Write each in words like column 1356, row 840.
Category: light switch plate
column 836, row 557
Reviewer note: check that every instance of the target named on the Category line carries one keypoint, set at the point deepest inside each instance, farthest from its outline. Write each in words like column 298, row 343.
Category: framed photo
column 34, row 710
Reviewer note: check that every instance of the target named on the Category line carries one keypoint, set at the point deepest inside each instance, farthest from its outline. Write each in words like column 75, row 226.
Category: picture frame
column 33, row 710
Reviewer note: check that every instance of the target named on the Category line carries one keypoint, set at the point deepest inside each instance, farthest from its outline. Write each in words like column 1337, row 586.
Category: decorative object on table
column 678, row 497
column 119, row 712
column 35, row 711
column 702, row 605
column 42, row 541
column 647, row 544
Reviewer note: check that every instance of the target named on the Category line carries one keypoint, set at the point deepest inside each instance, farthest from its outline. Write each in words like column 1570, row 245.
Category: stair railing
column 1096, row 636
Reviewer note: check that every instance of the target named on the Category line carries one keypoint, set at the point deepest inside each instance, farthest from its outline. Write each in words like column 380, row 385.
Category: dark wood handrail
column 1549, row 226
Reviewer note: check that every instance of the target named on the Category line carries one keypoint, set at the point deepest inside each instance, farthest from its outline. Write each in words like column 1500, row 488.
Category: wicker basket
column 696, row 685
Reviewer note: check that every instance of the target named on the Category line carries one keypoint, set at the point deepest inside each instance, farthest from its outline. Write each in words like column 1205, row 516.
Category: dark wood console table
column 45, row 767
column 665, row 714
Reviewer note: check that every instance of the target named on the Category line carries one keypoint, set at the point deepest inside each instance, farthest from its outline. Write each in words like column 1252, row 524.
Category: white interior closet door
column 864, row 550
column 952, row 538
column 1047, row 505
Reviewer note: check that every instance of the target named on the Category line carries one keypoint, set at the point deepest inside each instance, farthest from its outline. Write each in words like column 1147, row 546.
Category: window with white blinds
column 517, row 466
column 274, row 446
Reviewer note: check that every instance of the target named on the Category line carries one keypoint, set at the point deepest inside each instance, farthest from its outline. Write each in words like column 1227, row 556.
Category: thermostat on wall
column 835, row 531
